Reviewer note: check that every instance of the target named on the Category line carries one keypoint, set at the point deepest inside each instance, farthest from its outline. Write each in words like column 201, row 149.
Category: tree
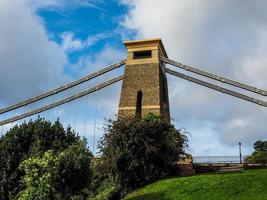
column 137, row 151
column 259, row 156
column 53, row 175
column 26, row 140
column 260, row 146
column 74, row 173
column 39, row 178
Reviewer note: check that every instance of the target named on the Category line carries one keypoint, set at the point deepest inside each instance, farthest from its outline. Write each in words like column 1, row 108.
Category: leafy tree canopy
column 27, row 140
column 137, row 151
column 260, row 146
column 259, row 156
column 57, row 175
column 40, row 159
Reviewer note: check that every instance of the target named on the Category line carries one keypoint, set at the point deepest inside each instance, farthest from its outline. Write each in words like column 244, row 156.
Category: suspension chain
column 63, row 101
column 63, row 87
column 215, row 77
column 218, row 88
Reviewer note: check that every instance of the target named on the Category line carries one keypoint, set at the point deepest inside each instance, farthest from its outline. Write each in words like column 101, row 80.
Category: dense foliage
column 259, row 156
column 40, row 176
column 42, row 160
column 43, row 148
column 74, row 174
column 137, row 151
column 57, row 175
column 260, row 146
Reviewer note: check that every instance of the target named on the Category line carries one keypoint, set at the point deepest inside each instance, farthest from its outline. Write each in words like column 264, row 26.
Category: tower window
column 142, row 54
column 138, row 111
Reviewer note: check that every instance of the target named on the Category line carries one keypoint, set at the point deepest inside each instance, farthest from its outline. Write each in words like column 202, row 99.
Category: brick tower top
column 155, row 46
column 144, row 87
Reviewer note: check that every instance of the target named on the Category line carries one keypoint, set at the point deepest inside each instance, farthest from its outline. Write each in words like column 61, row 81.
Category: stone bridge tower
column 144, row 87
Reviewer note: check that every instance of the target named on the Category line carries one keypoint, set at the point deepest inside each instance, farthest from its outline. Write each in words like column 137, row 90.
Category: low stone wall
column 186, row 169
column 208, row 168
column 255, row 166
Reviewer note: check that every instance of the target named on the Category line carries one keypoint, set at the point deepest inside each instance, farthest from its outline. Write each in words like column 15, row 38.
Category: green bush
column 104, row 191
column 260, row 146
column 259, row 156
column 41, row 160
column 103, row 186
column 25, row 141
column 39, row 178
column 62, row 175
column 137, row 151
column 74, row 174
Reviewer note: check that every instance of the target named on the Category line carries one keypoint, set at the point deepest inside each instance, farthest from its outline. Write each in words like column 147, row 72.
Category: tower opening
column 142, row 54
column 138, row 111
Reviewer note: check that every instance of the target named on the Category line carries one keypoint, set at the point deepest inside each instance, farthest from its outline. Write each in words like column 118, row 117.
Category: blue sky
column 97, row 22
column 44, row 44
column 84, row 22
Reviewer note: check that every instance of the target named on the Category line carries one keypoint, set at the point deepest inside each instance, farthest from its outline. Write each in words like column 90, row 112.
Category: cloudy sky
column 45, row 43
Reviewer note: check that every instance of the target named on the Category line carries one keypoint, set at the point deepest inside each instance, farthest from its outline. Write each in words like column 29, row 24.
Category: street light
column 240, row 152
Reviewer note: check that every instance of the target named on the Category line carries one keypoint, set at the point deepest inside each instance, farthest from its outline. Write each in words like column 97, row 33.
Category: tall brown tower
column 144, row 87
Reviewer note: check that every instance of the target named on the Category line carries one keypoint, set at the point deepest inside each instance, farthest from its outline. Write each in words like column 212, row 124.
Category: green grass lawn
column 249, row 185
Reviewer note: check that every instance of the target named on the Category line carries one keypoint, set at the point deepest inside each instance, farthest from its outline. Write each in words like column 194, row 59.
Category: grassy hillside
column 249, row 185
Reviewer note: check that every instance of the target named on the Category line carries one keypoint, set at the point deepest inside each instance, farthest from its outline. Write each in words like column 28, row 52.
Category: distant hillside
column 249, row 185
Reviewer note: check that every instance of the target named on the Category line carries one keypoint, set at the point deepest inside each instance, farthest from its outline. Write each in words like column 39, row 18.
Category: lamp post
column 240, row 152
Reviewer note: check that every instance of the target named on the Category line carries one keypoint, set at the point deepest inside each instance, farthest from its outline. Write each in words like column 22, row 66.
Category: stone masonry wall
column 147, row 78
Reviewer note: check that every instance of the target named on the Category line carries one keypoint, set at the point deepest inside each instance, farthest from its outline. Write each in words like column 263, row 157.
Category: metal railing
column 217, row 159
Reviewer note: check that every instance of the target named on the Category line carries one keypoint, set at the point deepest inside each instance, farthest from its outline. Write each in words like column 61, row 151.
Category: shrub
column 260, row 146
column 137, row 151
column 73, row 171
column 62, row 175
column 259, row 156
column 40, row 173
column 103, row 186
column 27, row 140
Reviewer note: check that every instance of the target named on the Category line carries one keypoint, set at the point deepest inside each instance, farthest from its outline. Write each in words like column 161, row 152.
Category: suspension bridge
column 144, row 88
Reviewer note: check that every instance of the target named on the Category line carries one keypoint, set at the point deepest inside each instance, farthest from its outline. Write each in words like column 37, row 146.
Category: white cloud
column 90, row 63
column 62, row 4
column 70, row 43
column 94, row 62
column 222, row 36
column 30, row 63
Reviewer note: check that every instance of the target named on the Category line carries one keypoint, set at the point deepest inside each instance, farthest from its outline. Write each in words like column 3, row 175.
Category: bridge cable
column 63, row 87
column 75, row 115
column 95, row 120
column 215, row 77
column 218, row 88
column 66, row 110
column 63, row 101
column 85, row 116
column 2, row 130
